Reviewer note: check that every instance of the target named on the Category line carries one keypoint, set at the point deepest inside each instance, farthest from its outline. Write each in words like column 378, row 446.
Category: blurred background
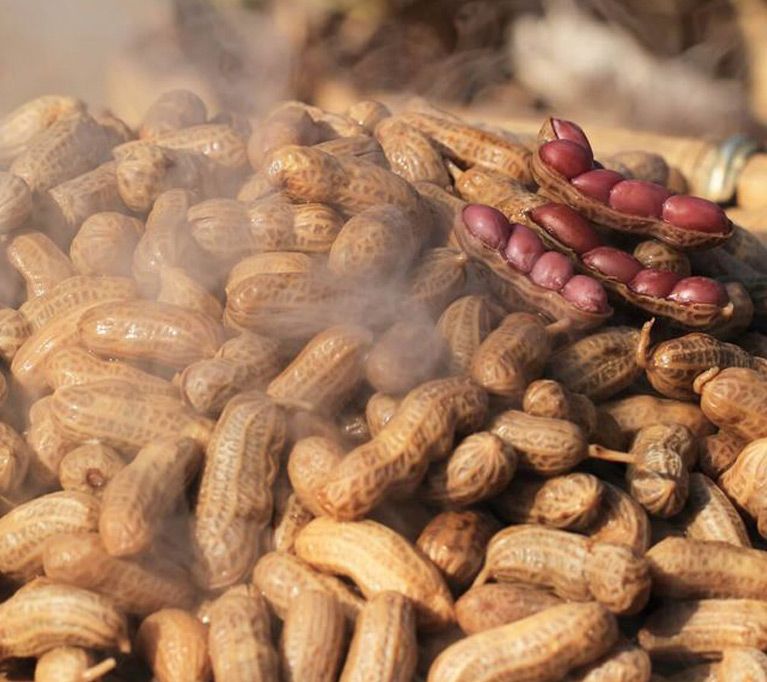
column 693, row 67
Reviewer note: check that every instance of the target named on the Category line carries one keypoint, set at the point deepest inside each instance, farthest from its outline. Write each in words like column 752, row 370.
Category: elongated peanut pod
column 376, row 558
column 175, row 645
column 280, row 577
column 541, row 647
column 239, row 639
column 379, row 410
column 179, row 288
column 47, row 442
column 719, row 452
column 743, row 482
column 139, row 587
column 25, row 529
column 70, row 664
column 742, row 664
column 89, row 468
column 102, row 243
column 734, row 399
column 384, row 644
column 571, row 501
column 15, row 456
column 625, row 663
column 437, row 280
column 548, row 398
column 235, row 498
column 288, row 524
column 144, row 492
column 39, row 261
column 488, row 606
column 709, row 514
column 572, row 566
column 637, row 411
column 410, row 153
column 311, row 648
column 173, row 110
column 14, row 330
column 621, row 521
column 36, row 620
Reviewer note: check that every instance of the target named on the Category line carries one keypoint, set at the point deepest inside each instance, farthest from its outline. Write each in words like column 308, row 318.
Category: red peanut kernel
column 597, row 183
column 567, row 130
column 523, row 248
column 639, row 197
column 613, row 263
column 656, row 283
column 487, row 224
column 586, row 293
column 566, row 158
column 694, row 213
column 567, row 226
column 552, row 270
column 699, row 290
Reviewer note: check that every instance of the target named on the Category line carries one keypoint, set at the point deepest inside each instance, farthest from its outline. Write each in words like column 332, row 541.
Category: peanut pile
column 372, row 397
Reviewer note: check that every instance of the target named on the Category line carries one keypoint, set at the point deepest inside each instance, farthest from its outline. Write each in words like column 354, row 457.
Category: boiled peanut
column 175, row 645
column 572, row 566
column 172, row 110
column 102, row 243
column 571, row 501
column 15, row 202
column 455, row 542
column 742, row 664
column 14, row 330
column 379, row 410
column 143, row 492
column 637, row 411
column 479, row 468
column 310, row 463
column 377, row 559
column 15, row 457
column 626, row 663
column 464, row 325
column 718, row 452
column 70, row 664
column 384, row 644
column 47, row 442
column 659, row 256
column 709, row 515
column 548, row 398
column 180, row 289
column 734, row 399
column 313, row 637
column 410, row 153
column 289, row 523
column 743, row 482
column 235, row 498
column 89, row 468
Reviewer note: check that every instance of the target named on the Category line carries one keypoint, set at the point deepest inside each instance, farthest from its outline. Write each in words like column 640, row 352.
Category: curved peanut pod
column 144, row 492
column 14, row 331
column 180, row 289
column 288, row 523
column 735, row 399
column 625, row 663
column 479, row 468
column 547, row 447
column 437, row 280
column 25, row 529
column 73, row 366
column 313, row 617
column 173, row 110
column 488, row 606
column 384, row 644
column 512, row 355
column 377, row 559
column 379, row 410
column 621, row 521
column 39, row 261
column 66, row 663
column 47, row 442
column 280, row 577
column 464, row 325
column 455, row 542
column 544, row 646
column 123, row 416
column 572, row 566
column 691, row 631
column 695, row 569
column 239, row 639
column 422, row 430
column 19, row 126
column 558, row 186
column 89, row 468
column 743, row 482
column 571, row 501
column 136, row 587
column 325, row 373
column 599, row 365
column 548, row 398
column 673, row 365
column 637, row 411
column 368, row 113
column 709, row 514
column 363, row 147
column 410, row 153
column 175, row 645
column 310, row 463
column 472, row 146
column 102, row 242
column 47, row 616
column 156, row 332
column 15, row 456
column 718, row 452
column 235, row 499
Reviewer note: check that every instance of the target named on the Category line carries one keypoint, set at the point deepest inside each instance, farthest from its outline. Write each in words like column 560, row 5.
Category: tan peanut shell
column 599, row 365
column 313, row 638
column 173, row 110
column 235, row 498
column 288, row 524
column 379, row 410
column 103, row 244
column 47, row 616
column 718, row 452
column 384, row 644
column 637, row 411
column 14, row 330
column 239, row 639
column 15, row 202
column 280, row 577
column 735, row 399
column 89, row 468
column 464, row 325
column 541, row 647
column 377, row 559
column 145, row 491
column 25, row 529
column 438, row 279
column 494, row 604
column 310, row 463
column 627, row 662
column 574, row 567
column 743, row 482
column 570, row 501
column 547, row 447
column 179, row 288
column 548, row 398
column 455, row 542
column 137, row 587
column 368, row 113
column 70, row 664
column 741, row 664
column 175, row 645
column 123, row 416
column 691, row 631
column 709, row 514
column 659, row 256
column 39, row 261
column 479, row 468
column 47, row 443
column 410, row 153
column 15, row 457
